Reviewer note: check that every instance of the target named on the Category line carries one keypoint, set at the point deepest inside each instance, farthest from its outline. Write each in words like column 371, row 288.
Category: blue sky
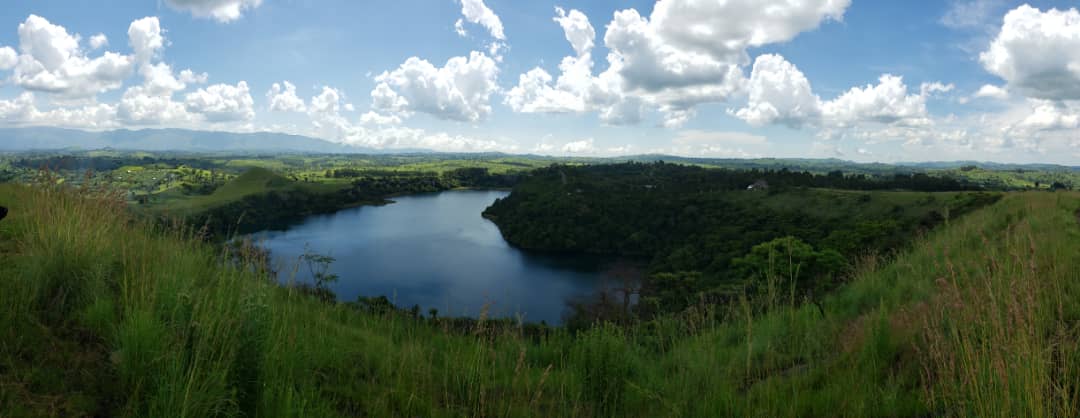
column 853, row 79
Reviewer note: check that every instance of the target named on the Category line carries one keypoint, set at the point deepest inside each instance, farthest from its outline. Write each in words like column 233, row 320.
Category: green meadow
column 107, row 314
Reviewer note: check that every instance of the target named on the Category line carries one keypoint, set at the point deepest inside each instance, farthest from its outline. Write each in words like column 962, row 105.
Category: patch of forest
column 710, row 233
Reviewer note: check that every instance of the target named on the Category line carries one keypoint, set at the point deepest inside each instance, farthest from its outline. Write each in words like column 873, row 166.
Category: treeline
column 108, row 163
column 279, row 207
column 705, row 235
column 462, row 177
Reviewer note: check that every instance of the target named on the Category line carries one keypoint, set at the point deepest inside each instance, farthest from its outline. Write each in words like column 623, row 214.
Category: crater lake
column 436, row 251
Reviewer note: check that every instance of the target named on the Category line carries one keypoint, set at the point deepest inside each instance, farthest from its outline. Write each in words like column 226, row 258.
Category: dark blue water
column 436, row 251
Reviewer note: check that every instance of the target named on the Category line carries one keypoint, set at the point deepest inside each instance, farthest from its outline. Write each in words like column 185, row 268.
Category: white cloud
column 534, row 94
column 8, row 58
column 22, row 111
column 475, row 11
column 992, row 92
column 459, row 90
column 221, row 10
column 51, row 61
column 1049, row 116
column 188, row 76
column 284, row 99
column 573, row 90
column 1038, row 53
column 158, row 79
column 372, row 118
column 779, row 93
column 459, row 27
column 17, row 109
column 887, row 102
column 99, row 41
column 222, row 102
column 328, row 102
column 965, row 14
column 140, row 106
column 684, row 54
column 579, row 32
column 145, row 38
column 723, row 30
column 379, row 131
column 585, row 146
column 92, row 116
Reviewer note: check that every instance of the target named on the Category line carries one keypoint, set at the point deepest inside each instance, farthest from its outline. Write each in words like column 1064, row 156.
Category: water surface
column 436, row 251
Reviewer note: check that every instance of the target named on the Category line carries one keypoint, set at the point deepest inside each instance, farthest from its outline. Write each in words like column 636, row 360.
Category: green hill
column 104, row 315
column 254, row 181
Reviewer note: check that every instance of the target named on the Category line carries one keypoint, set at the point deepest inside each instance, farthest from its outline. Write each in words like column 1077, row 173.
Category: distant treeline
column 461, row 177
column 280, row 207
column 101, row 163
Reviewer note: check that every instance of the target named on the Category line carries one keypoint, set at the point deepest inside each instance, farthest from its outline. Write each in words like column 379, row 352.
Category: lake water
column 436, row 251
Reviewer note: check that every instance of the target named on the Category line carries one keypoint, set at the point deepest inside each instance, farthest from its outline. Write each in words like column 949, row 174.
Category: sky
column 920, row 80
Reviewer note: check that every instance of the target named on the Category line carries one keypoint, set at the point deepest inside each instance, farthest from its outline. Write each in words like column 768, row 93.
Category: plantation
column 106, row 315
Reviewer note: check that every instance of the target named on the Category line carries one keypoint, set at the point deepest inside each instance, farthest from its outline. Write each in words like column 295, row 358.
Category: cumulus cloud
column 17, row 109
column 684, row 54
column 780, row 93
column 329, row 101
column 723, row 30
column 145, row 38
column 1050, row 116
column 585, row 146
column 99, row 41
column 460, row 90
column 992, row 92
column 577, row 29
column 1038, row 53
column 222, row 102
column 139, row 106
column 8, row 58
column 372, row 118
column 221, row 10
column 283, row 98
column 887, row 102
column 188, row 76
column 475, row 11
column 23, row 111
column 459, row 27
column 573, row 90
column 52, row 61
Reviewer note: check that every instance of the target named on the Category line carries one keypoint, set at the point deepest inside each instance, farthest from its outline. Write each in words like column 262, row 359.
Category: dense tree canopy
column 705, row 230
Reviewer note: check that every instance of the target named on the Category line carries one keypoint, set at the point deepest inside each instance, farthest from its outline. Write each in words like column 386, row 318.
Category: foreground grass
column 101, row 315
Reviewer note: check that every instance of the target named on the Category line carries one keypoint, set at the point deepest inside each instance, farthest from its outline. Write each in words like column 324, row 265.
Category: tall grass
column 104, row 315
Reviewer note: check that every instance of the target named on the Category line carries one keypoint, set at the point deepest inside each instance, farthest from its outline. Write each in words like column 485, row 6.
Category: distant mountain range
column 43, row 138
column 184, row 140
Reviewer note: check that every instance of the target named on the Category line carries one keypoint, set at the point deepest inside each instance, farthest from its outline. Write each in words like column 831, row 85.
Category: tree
column 789, row 262
column 319, row 265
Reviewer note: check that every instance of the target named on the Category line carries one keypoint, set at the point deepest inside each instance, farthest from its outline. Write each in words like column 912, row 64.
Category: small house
column 758, row 185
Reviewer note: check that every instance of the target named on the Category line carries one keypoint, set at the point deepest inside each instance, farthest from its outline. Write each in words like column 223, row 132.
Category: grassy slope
column 106, row 317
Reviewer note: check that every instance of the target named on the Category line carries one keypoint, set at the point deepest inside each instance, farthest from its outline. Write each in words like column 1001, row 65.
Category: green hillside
column 254, row 181
column 104, row 315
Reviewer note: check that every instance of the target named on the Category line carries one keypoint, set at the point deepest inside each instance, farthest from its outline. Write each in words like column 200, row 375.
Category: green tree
column 788, row 263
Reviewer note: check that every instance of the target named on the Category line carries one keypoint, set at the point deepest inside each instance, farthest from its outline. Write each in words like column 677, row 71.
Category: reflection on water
column 436, row 251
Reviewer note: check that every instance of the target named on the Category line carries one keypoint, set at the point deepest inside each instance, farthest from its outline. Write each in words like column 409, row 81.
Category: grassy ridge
column 103, row 315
